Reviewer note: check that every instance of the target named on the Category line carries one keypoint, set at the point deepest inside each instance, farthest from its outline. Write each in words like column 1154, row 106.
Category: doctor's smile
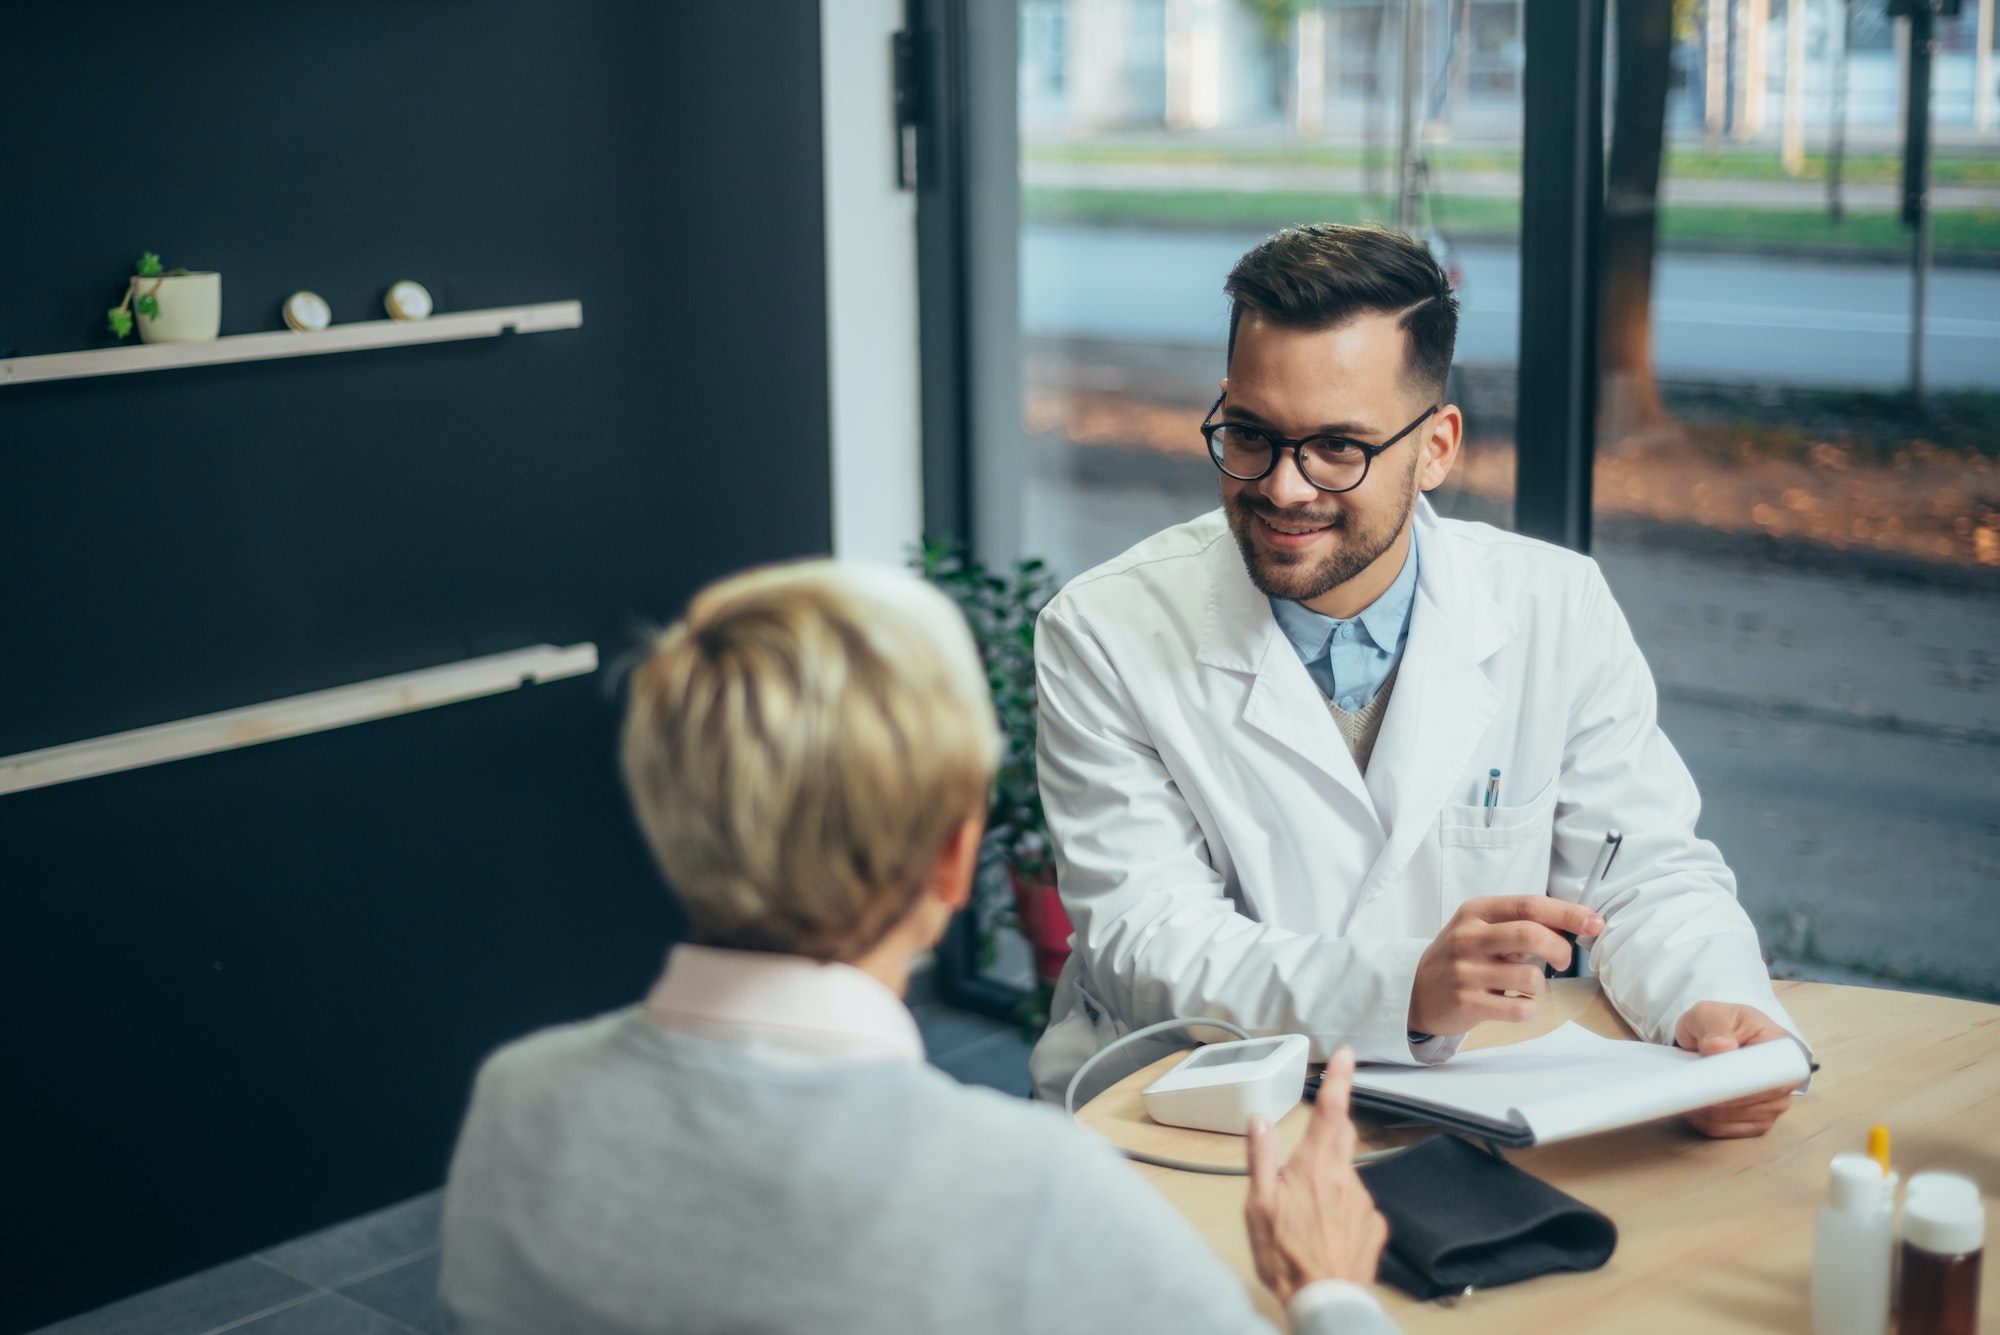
column 1292, row 533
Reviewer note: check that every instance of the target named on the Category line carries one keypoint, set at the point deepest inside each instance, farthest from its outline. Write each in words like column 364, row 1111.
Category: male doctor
column 1268, row 735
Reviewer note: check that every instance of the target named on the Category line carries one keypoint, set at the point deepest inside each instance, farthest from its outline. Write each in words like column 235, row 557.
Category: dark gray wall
column 244, row 994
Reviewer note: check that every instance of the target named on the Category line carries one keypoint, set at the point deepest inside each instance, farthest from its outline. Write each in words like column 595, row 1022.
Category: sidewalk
column 1250, row 178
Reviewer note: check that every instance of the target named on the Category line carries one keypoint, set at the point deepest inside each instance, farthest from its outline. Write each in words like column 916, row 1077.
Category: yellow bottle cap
column 1878, row 1146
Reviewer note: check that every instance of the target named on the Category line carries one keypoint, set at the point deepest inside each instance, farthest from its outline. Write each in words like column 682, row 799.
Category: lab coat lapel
column 1443, row 700
column 1240, row 635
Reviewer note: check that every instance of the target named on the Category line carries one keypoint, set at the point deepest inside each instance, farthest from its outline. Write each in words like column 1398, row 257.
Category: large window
column 1159, row 140
column 1807, row 556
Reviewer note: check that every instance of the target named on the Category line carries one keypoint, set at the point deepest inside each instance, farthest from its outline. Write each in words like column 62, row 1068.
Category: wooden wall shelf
column 297, row 715
column 443, row 328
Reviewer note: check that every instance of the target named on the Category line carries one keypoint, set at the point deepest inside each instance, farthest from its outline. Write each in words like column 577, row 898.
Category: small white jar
column 190, row 307
column 1853, row 1251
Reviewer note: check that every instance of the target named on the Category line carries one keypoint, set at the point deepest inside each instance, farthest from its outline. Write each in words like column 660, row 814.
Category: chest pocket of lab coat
column 1508, row 857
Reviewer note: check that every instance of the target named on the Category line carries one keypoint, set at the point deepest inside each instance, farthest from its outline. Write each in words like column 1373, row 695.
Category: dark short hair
column 1324, row 274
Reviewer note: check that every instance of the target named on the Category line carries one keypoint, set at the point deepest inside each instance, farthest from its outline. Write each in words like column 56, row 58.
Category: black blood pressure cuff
column 1460, row 1218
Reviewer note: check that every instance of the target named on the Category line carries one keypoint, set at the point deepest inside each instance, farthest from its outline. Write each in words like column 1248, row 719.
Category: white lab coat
column 1220, row 854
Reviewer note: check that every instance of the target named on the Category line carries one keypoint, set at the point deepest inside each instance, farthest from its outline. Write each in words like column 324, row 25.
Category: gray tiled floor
column 374, row 1275
column 377, row 1275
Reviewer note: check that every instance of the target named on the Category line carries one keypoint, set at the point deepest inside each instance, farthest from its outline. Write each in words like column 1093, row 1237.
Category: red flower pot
column 1043, row 921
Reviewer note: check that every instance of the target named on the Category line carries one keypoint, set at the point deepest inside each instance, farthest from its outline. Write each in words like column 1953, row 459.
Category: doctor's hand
column 1311, row 1219
column 1479, row 967
column 1710, row 1027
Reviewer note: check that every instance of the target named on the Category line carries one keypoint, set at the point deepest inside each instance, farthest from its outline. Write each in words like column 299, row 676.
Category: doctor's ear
column 1440, row 446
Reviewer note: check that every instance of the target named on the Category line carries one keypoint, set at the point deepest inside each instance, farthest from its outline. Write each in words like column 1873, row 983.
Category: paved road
column 1840, row 731
column 1716, row 318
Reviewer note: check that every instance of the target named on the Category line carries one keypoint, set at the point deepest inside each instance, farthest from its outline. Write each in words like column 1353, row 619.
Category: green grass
column 1859, row 169
column 1483, row 218
column 1968, row 231
column 1685, row 163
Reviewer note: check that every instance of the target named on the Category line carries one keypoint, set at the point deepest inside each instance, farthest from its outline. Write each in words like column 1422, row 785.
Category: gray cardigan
column 611, row 1177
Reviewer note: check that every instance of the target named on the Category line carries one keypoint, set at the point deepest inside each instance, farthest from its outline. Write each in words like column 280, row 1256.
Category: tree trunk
column 1644, row 57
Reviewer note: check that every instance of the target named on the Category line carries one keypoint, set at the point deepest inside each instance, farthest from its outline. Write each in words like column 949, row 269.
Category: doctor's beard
column 1358, row 543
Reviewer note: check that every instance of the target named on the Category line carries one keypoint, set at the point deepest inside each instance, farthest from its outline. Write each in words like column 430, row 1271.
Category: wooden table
column 1714, row 1235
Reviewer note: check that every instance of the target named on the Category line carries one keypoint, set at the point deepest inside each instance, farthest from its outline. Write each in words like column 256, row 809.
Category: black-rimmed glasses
column 1331, row 463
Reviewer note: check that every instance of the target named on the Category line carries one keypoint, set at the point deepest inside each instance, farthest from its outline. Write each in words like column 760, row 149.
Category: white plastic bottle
column 1852, row 1251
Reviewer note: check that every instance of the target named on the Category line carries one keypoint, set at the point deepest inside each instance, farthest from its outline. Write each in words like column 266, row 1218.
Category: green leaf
column 148, row 266
column 148, row 306
column 119, row 321
column 1275, row 17
column 1001, row 611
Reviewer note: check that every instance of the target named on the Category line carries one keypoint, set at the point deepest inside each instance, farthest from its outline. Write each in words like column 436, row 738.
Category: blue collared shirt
column 1349, row 660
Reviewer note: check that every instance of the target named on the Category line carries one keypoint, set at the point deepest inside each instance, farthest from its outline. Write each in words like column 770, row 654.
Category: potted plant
column 1001, row 611
column 172, row 305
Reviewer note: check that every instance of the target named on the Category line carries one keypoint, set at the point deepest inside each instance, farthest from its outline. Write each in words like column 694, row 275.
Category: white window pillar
column 1715, row 76
column 1309, row 81
column 874, row 394
column 1982, row 69
column 1194, row 64
column 1097, row 32
column 1753, row 17
column 1794, row 149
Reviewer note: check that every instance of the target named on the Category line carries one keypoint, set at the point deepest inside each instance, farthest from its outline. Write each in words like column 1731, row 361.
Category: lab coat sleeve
column 1674, row 932
column 1155, row 930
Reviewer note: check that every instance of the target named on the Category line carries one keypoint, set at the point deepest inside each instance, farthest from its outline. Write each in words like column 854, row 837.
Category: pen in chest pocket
column 1492, row 794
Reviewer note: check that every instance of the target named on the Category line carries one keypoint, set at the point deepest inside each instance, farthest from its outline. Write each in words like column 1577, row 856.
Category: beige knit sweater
column 1360, row 727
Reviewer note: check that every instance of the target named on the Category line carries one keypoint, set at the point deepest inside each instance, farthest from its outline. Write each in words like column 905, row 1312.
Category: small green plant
column 1001, row 611
column 119, row 318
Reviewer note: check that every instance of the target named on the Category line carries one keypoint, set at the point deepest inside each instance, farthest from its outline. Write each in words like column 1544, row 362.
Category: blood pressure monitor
column 1221, row 1086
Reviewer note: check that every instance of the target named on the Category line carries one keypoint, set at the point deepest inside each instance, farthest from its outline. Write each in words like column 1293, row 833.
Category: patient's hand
column 1710, row 1027
column 1311, row 1219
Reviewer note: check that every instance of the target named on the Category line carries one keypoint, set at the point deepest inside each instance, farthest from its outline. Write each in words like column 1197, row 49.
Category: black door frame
column 937, row 34
column 1562, row 225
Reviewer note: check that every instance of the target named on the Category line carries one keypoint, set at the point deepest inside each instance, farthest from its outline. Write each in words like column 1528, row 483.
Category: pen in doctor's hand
column 1613, row 841
column 1594, row 882
column 1492, row 794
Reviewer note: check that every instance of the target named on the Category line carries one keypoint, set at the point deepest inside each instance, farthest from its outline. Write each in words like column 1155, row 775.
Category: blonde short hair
column 799, row 747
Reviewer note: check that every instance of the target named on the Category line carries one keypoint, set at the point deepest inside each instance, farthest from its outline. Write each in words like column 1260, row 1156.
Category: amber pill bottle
column 1944, row 1234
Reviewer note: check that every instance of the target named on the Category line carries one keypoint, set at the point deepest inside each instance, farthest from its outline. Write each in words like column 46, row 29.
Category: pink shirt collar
column 783, row 1009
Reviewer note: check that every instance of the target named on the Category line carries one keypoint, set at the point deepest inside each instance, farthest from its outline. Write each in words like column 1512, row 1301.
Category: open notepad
column 1572, row 1083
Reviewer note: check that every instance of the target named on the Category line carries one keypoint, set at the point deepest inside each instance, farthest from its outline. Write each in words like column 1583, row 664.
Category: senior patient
column 759, row 1145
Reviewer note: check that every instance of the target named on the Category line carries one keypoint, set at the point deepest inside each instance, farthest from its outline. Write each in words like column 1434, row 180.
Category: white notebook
column 1572, row 1083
